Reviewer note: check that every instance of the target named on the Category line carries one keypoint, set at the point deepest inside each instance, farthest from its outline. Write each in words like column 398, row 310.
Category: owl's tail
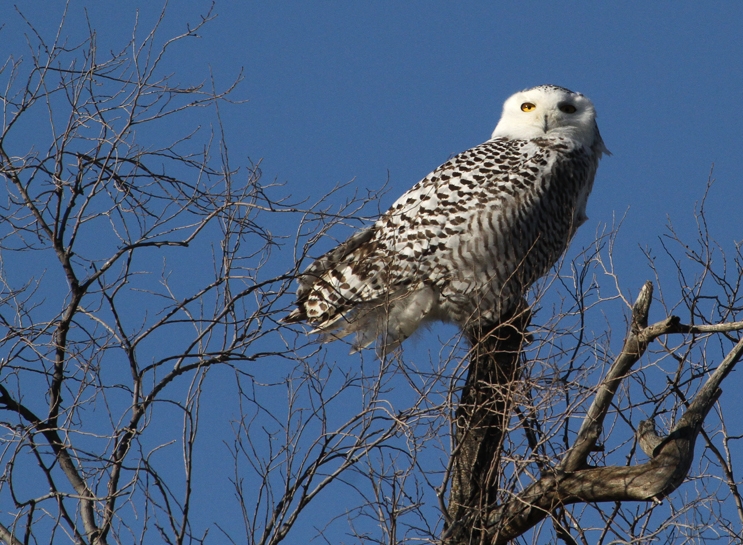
column 387, row 322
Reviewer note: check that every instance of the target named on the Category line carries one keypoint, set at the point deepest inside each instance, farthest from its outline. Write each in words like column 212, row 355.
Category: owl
column 466, row 242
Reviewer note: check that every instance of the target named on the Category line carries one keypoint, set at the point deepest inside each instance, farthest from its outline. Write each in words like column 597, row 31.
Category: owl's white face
column 548, row 110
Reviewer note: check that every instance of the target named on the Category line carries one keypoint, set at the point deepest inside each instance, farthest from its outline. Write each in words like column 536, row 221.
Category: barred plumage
column 467, row 241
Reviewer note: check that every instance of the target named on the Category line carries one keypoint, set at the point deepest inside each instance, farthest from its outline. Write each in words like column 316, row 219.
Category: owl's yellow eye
column 527, row 107
column 567, row 108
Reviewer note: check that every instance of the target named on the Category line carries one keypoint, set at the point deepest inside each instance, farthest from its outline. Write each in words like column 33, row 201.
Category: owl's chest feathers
column 548, row 188
column 526, row 218
column 503, row 202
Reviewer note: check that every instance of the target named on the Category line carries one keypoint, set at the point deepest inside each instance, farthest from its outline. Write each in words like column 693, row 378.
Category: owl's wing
column 404, row 248
column 320, row 270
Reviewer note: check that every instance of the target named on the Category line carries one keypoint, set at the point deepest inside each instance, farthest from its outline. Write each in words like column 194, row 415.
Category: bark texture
column 482, row 417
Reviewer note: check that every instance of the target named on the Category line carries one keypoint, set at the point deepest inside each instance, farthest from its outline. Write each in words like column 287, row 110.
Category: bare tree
column 562, row 470
column 95, row 347
column 143, row 281
column 130, row 270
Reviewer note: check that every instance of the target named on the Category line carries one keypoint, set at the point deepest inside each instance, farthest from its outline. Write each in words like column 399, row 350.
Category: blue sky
column 337, row 91
column 366, row 93
column 342, row 91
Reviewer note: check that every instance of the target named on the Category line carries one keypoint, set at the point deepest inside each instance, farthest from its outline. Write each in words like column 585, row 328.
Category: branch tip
column 648, row 438
column 641, row 307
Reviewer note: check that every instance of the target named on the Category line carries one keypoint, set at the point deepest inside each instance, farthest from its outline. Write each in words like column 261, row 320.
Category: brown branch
column 573, row 481
column 6, row 536
column 481, row 421
column 66, row 462
column 634, row 347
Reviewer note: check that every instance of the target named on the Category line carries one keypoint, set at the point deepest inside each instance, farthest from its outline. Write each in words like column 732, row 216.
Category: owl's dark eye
column 528, row 107
column 567, row 108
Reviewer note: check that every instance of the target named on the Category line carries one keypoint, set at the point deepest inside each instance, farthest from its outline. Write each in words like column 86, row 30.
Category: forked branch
column 575, row 481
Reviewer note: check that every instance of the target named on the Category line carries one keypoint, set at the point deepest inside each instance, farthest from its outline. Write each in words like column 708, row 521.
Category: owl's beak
column 545, row 126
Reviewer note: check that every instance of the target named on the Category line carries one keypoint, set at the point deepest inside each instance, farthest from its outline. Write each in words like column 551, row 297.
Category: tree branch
column 573, row 481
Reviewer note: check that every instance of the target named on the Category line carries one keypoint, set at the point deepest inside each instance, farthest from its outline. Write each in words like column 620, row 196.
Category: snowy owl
column 467, row 241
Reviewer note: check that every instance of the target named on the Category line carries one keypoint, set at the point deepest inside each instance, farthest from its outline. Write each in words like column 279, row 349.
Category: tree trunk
column 481, row 421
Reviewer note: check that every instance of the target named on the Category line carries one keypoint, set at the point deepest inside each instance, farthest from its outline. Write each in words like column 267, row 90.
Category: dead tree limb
column 575, row 481
column 482, row 418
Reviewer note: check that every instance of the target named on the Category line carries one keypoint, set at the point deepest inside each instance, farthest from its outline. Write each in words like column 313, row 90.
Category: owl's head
column 549, row 110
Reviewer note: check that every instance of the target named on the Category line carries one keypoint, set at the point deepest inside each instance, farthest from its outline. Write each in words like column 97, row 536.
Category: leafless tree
column 142, row 283
column 567, row 415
